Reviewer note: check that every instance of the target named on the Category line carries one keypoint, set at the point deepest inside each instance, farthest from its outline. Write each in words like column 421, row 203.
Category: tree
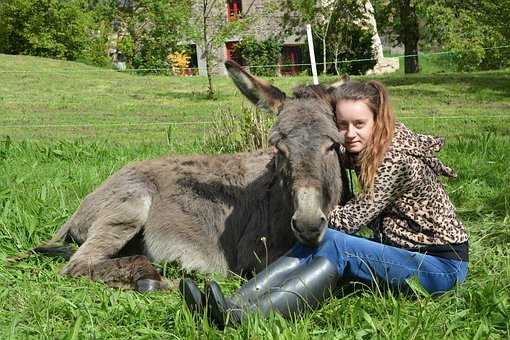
column 147, row 31
column 210, row 29
column 47, row 28
column 471, row 29
column 399, row 19
column 80, row 29
column 334, row 24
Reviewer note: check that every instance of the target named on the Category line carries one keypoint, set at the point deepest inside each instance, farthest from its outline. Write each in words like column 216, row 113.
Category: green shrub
column 260, row 52
column 471, row 33
column 151, row 31
column 473, row 45
column 96, row 51
column 356, row 44
column 231, row 132
column 47, row 28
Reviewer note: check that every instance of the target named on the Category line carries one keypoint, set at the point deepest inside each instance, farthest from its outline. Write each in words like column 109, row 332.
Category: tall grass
column 46, row 172
column 244, row 130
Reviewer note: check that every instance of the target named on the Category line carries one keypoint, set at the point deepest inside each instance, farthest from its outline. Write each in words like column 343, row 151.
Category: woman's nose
column 350, row 132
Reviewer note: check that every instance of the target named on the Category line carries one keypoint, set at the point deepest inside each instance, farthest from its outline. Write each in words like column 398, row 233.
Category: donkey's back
column 168, row 209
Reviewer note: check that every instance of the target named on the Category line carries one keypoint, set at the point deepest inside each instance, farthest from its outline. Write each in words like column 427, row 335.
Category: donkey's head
column 306, row 139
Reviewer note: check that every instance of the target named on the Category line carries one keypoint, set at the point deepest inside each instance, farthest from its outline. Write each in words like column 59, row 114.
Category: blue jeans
column 360, row 259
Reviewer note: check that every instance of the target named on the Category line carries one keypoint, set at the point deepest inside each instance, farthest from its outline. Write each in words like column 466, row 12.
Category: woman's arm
column 392, row 179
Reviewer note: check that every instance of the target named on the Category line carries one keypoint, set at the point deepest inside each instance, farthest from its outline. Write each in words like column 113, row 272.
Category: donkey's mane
column 312, row 91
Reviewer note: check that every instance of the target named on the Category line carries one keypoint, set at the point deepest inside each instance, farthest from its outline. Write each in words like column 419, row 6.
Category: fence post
column 312, row 54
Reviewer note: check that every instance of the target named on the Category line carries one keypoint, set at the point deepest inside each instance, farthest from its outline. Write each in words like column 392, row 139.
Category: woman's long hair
column 375, row 95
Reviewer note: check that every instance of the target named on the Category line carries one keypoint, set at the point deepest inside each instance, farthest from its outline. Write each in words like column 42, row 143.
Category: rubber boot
column 306, row 287
column 273, row 275
column 193, row 296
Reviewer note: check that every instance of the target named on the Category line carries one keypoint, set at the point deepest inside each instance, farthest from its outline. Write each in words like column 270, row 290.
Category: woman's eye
column 359, row 125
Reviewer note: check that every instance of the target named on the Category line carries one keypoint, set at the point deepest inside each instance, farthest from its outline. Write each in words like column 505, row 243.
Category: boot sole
column 192, row 295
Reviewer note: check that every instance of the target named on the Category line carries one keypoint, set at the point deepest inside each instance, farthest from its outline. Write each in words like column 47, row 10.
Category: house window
column 291, row 55
column 234, row 9
column 232, row 54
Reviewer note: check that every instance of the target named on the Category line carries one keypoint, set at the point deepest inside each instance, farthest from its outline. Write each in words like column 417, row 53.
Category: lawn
column 65, row 127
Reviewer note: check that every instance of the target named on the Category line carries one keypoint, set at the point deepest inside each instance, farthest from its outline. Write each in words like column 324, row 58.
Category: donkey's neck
column 264, row 209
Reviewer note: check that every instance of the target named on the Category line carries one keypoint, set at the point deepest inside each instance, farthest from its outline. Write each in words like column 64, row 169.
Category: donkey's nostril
column 294, row 224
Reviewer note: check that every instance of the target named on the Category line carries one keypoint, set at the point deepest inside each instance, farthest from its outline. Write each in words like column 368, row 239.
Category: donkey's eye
column 281, row 150
column 332, row 147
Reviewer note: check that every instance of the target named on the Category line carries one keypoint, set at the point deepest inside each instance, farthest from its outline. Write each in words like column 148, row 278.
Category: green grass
column 46, row 171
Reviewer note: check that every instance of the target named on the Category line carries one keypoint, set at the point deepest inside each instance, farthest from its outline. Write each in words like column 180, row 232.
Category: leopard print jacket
column 409, row 207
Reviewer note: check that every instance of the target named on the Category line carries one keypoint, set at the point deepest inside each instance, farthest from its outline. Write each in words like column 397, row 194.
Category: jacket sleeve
column 392, row 179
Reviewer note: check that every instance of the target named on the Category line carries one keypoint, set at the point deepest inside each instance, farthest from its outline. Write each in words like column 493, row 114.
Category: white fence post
column 312, row 54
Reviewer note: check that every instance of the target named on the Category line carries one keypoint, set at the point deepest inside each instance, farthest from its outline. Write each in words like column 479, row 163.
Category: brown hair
column 375, row 95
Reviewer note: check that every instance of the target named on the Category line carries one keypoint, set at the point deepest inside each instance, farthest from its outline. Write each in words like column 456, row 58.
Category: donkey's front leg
column 134, row 272
column 119, row 221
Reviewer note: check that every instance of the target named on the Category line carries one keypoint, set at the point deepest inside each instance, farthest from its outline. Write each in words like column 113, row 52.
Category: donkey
column 228, row 213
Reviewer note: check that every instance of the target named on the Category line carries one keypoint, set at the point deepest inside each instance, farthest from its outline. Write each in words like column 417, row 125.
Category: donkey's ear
column 344, row 79
column 258, row 91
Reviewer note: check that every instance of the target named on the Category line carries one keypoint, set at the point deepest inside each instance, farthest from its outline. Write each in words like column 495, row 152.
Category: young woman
column 416, row 231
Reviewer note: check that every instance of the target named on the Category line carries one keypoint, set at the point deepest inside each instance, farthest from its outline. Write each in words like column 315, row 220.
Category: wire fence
column 192, row 136
column 194, row 70
column 202, row 125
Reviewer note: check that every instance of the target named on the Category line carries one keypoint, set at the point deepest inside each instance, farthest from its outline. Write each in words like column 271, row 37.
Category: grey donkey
column 228, row 213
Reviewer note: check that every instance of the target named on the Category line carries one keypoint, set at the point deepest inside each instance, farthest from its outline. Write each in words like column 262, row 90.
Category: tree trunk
column 210, row 90
column 324, row 54
column 410, row 35
column 376, row 40
column 337, row 71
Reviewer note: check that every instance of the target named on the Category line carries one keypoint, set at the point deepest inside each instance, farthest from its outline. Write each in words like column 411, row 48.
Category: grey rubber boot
column 306, row 287
column 274, row 274
column 193, row 296
column 271, row 276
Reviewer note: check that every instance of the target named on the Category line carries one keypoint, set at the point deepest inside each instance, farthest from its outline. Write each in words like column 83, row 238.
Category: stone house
column 265, row 24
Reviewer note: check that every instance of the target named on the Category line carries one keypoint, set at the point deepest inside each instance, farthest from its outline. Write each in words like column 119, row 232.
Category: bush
column 46, row 28
column 472, row 42
column 471, row 33
column 96, row 52
column 356, row 44
column 236, row 132
column 258, row 53
column 80, row 29
column 150, row 32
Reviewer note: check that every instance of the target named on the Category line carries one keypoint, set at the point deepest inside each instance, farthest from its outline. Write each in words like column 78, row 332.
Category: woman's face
column 355, row 122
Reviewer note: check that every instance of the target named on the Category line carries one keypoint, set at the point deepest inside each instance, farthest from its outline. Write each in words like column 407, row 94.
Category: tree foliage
column 148, row 30
column 471, row 28
column 48, row 28
column 261, row 52
column 340, row 30
column 473, row 31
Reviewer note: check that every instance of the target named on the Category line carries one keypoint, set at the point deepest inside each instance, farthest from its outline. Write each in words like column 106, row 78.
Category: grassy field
column 65, row 127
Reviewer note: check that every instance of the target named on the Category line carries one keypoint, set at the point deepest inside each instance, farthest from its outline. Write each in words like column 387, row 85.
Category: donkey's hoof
column 148, row 285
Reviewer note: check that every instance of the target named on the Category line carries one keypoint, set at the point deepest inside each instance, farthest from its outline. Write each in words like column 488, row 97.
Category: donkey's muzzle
column 309, row 233
column 308, row 223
